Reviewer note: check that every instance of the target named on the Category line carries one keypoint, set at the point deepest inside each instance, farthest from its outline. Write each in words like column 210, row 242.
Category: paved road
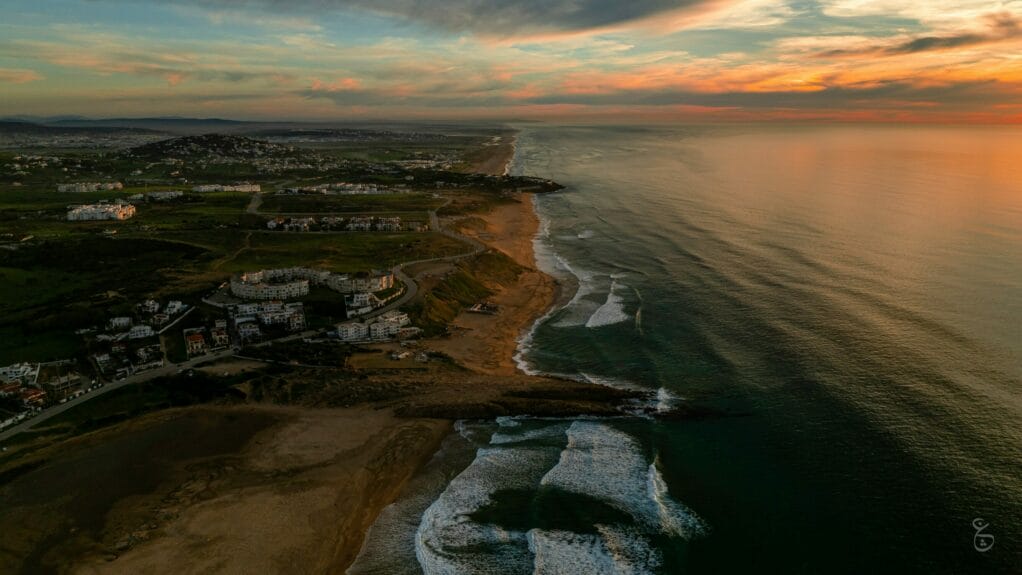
column 137, row 378
column 411, row 290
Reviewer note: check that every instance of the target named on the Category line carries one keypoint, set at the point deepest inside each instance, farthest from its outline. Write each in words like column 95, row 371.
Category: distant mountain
column 32, row 129
column 209, row 145
column 172, row 125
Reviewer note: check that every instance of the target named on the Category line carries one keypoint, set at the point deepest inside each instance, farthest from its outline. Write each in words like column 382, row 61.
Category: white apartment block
column 228, row 188
column 101, row 212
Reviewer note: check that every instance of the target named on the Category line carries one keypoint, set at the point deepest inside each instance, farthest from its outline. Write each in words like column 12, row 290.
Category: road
column 137, row 378
column 411, row 290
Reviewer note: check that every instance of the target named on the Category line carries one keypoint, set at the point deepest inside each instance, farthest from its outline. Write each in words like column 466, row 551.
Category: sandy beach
column 487, row 343
column 299, row 487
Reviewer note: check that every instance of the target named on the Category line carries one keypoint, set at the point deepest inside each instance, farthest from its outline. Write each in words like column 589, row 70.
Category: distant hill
column 15, row 127
column 209, row 145
column 166, row 125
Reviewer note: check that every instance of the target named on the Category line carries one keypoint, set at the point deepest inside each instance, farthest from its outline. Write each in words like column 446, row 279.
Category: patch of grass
column 412, row 202
column 464, row 287
column 341, row 252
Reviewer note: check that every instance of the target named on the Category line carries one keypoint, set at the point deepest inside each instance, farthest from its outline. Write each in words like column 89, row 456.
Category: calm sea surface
column 838, row 308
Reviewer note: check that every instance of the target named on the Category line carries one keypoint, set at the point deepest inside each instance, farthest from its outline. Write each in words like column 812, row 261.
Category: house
column 195, row 343
column 101, row 212
column 220, row 338
column 159, row 319
column 31, row 397
column 22, row 373
column 150, row 306
column 10, row 389
column 121, row 322
column 248, row 329
column 380, row 330
column 353, row 331
column 360, row 224
column 140, row 331
column 174, row 307
column 388, row 224
column 394, row 316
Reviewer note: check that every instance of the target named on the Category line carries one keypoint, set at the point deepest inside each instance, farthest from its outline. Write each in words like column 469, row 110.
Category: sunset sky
column 891, row 60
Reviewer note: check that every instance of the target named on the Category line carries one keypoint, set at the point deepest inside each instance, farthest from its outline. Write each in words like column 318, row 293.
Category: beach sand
column 300, row 494
column 487, row 343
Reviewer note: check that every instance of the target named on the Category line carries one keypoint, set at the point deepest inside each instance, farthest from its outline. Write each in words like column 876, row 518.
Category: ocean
column 829, row 319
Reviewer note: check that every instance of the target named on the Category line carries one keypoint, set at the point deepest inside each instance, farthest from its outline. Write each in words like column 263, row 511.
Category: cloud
column 18, row 76
column 498, row 18
column 902, row 94
column 106, row 55
column 1001, row 27
column 928, row 11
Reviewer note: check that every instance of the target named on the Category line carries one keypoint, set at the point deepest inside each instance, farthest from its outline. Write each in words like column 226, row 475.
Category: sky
column 654, row 60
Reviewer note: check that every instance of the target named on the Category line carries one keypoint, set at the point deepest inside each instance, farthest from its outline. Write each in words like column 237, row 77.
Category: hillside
column 208, row 145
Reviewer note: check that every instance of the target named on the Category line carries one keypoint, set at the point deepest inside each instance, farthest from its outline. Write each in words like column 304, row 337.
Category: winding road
column 411, row 290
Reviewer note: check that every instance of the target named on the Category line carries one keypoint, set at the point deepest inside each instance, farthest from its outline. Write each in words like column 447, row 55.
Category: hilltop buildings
column 291, row 283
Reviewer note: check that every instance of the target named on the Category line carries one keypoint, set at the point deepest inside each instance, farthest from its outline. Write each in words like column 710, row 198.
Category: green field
column 415, row 202
column 341, row 252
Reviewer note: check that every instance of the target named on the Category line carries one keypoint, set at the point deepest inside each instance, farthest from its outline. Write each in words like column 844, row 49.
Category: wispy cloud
column 18, row 76
column 1000, row 27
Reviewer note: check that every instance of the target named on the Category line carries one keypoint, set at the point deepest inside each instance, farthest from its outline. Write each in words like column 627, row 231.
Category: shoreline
column 303, row 493
column 492, row 344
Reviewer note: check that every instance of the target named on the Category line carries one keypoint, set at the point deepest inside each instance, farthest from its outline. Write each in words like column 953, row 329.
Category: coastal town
column 252, row 307
column 211, row 281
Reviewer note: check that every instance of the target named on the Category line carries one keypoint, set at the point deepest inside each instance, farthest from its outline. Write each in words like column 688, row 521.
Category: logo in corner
column 981, row 542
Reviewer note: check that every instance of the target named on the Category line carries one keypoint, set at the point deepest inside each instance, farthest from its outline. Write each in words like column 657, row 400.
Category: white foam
column 544, row 432
column 447, row 539
column 586, row 234
column 605, row 463
column 665, row 400
column 675, row 518
column 611, row 312
column 611, row 382
column 612, row 552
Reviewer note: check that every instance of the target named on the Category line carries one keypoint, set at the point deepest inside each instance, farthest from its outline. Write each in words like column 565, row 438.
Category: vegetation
column 464, row 287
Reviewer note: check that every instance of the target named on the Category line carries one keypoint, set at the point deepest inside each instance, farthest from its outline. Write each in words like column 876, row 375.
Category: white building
column 101, row 212
column 165, row 196
column 360, row 224
column 389, row 224
column 174, row 307
column 81, row 187
column 227, row 188
column 24, row 373
column 121, row 322
column 353, row 331
column 140, row 331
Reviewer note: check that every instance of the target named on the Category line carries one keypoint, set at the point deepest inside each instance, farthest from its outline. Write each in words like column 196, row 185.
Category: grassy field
column 341, row 252
column 411, row 202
